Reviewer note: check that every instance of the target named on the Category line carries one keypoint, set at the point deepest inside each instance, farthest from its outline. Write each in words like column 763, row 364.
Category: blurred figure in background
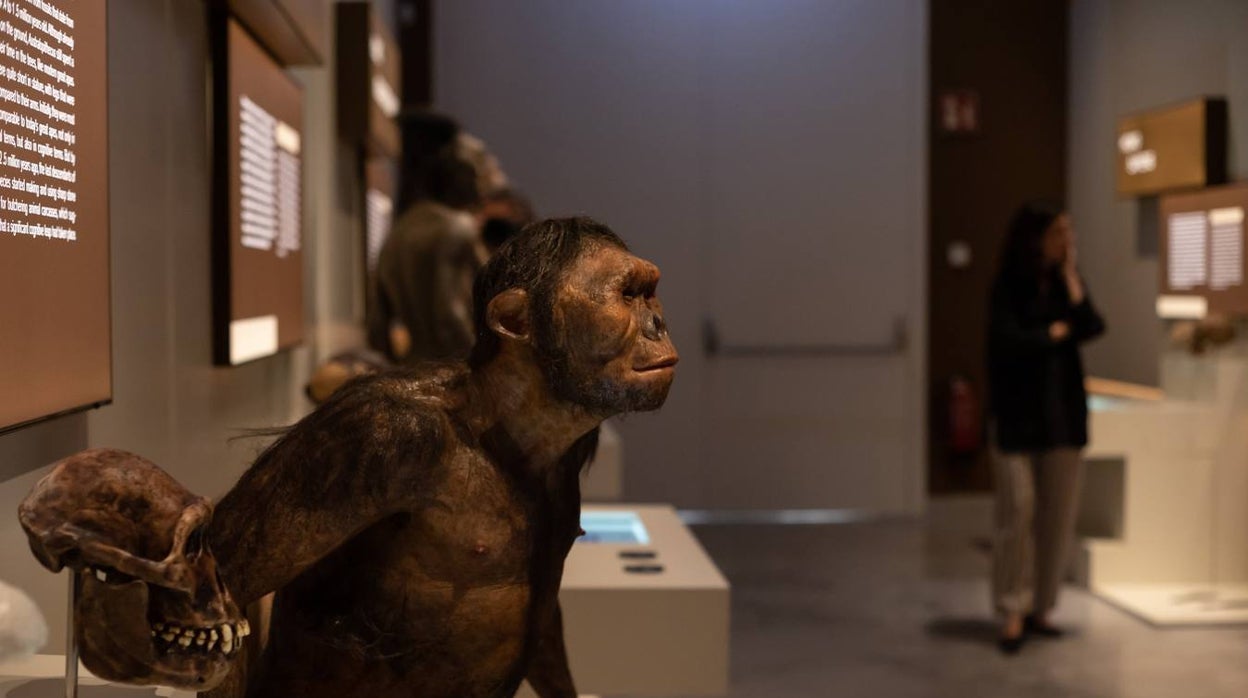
column 490, row 175
column 1039, row 315
column 422, row 308
column 452, row 193
column 506, row 212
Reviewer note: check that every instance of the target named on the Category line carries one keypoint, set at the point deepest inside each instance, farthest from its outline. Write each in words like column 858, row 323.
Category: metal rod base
column 71, row 641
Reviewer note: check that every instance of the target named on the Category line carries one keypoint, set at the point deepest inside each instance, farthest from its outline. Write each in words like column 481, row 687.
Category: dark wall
column 415, row 34
column 1013, row 57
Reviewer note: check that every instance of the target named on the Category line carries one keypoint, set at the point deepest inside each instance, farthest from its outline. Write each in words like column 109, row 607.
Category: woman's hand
column 1070, row 271
column 1059, row 331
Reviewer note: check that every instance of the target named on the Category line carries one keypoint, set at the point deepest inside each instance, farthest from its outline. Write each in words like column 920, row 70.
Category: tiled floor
column 900, row 610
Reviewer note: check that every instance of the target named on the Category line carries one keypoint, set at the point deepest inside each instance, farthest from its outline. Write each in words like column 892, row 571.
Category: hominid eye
column 194, row 543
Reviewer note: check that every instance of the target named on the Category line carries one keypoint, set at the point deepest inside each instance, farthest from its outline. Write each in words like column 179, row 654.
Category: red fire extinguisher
column 965, row 425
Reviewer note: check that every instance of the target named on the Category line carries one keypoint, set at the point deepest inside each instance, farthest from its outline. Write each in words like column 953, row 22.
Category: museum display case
column 1165, row 507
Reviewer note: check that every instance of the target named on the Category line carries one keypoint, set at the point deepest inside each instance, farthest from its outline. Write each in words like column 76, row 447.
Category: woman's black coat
column 1038, row 397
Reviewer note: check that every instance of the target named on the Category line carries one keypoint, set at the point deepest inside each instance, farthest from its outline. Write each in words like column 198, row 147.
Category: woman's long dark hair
column 1022, row 254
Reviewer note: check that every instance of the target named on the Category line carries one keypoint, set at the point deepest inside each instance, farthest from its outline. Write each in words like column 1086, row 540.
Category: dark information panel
column 1173, row 148
column 378, row 208
column 292, row 30
column 55, row 341
column 1202, row 252
column 369, row 84
column 258, row 250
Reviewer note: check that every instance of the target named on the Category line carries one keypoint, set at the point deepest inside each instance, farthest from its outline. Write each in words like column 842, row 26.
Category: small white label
column 1233, row 215
column 384, row 96
column 959, row 255
column 287, row 138
column 377, row 50
column 1182, row 307
column 1130, row 142
column 1142, row 162
column 253, row 338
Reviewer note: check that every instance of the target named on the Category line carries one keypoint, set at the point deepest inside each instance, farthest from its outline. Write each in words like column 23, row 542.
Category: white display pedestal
column 43, row 676
column 646, row 634
column 1178, row 553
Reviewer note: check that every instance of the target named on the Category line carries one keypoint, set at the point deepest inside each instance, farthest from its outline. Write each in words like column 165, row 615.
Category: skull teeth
column 226, row 638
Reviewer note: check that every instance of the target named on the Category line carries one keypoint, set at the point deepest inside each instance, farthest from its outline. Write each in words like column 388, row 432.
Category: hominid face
column 607, row 346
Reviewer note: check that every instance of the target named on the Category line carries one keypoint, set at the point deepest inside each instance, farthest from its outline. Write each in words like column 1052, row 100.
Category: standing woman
column 1040, row 313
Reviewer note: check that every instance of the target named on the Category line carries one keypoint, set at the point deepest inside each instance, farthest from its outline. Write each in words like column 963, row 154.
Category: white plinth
column 1181, row 501
column 1180, row 605
column 646, row 634
column 43, row 676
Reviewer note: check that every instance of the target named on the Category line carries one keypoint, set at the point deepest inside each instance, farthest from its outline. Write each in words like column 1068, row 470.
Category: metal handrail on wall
column 714, row 346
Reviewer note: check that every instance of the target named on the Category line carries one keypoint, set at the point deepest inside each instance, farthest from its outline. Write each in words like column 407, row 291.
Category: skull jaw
column 117, row 644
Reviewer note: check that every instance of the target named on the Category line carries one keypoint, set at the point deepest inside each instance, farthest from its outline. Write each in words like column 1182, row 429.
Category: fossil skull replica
column 151, row 608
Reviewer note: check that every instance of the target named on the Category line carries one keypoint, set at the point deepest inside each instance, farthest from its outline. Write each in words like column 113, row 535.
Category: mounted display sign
column 55, row 337
column 292, row 30
column 1202, row 253
column 258, row 231
column 368, row 80
column 1174, row 148
column 378, row 208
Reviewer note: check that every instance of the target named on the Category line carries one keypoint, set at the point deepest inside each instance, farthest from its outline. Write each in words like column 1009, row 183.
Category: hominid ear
column 508, row 314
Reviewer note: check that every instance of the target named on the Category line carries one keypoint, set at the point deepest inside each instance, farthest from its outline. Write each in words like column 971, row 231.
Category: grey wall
column 170, row 404
column 769, row 157
column 1128, row 55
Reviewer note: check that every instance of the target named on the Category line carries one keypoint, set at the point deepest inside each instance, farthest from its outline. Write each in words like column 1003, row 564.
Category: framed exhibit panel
column 1201, row 253
column 378, row 208
column 258, row 189
column 368, row 80
column 1178, row 147
column 293, row 30
column 55, row 335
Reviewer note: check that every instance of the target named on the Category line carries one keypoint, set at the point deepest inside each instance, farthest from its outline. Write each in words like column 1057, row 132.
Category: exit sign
column 958, row 111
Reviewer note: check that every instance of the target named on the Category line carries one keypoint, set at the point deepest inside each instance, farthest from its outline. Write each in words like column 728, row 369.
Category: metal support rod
column 71, row 641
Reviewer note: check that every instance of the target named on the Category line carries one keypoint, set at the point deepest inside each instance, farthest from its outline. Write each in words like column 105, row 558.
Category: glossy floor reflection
column 900, row 609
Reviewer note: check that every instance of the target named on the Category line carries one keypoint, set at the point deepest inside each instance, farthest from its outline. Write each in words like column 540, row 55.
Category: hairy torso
column 442, row 596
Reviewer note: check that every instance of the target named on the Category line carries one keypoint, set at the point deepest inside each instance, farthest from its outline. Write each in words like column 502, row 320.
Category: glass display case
column 613, row 527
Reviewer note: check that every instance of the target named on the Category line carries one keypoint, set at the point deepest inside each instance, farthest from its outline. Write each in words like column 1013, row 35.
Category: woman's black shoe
column 1031, row 626
column 1010, row 646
